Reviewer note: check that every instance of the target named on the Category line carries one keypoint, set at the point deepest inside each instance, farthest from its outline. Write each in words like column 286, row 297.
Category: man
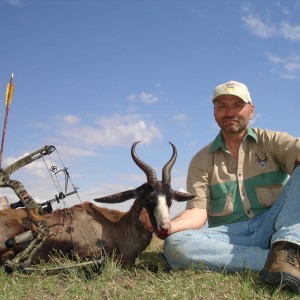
column 242, row 187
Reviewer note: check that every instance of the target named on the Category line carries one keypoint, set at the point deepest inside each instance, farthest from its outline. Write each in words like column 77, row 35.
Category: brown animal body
column 92, row 231
column 87, row 230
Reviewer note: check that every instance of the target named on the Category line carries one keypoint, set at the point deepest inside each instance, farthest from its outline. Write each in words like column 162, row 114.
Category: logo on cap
column 231, row 85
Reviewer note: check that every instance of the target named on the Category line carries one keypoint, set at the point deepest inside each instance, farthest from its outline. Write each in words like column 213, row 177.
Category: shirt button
column 248, row 212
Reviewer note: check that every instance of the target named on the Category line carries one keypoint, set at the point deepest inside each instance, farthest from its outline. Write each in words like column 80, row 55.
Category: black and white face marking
column 162, row 213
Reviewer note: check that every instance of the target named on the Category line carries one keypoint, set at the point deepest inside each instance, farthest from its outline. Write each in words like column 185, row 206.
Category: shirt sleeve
column 285, row 149
column 198, row 179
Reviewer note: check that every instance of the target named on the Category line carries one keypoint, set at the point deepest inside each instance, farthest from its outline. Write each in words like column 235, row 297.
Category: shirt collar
column 219, row 142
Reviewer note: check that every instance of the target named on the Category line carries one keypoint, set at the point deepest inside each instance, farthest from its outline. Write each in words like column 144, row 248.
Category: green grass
column 150, row 279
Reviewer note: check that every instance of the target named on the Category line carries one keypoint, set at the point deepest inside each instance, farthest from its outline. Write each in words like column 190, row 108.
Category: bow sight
column 27, row 202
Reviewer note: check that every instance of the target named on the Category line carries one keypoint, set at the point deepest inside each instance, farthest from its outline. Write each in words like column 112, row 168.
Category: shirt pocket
column 267, row 195
column 221, row 202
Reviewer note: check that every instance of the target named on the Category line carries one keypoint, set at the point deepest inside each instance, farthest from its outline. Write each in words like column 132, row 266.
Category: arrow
column 9, row 94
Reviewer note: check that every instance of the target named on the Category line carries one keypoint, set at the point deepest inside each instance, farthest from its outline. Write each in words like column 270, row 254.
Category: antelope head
column 156, row 196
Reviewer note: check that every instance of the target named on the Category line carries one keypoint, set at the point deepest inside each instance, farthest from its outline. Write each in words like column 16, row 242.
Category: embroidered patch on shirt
column 262, row 161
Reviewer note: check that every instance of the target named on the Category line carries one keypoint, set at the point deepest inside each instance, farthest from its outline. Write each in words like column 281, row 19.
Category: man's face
column 232, row 114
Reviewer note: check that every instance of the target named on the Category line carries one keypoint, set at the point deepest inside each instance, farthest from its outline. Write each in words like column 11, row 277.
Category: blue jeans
column 240, row 245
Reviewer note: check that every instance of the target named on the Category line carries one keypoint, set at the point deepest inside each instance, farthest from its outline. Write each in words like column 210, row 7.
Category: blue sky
column 92, row 77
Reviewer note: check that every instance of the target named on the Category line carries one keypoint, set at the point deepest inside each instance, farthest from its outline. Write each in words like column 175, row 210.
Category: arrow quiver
column 33, row 208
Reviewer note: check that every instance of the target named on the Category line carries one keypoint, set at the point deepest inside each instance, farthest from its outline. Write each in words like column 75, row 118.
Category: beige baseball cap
column 232, row 88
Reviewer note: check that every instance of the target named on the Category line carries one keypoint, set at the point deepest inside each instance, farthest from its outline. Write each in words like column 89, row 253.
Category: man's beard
column 238, row 127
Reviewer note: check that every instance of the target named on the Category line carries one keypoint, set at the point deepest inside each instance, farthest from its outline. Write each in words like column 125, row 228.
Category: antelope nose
column 165, row 227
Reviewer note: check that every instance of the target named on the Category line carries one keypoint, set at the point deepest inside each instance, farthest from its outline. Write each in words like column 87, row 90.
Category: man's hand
column 193, row 218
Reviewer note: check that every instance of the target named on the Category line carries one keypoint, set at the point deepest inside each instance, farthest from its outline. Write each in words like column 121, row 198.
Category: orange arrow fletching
column 10, row 91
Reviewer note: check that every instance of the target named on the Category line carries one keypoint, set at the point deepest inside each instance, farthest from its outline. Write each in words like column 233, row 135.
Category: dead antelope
column 91, row 231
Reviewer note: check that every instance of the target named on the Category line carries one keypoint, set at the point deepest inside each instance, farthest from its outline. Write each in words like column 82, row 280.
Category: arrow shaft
column 3, row 134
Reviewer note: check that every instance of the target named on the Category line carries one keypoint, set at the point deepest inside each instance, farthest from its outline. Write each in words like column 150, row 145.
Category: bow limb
column 46, row 150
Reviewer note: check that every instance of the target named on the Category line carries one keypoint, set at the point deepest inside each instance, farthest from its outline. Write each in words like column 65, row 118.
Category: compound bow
column 35, row 210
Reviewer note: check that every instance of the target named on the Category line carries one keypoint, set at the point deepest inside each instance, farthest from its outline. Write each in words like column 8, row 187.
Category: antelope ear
column 180, row 197
column 117, row 198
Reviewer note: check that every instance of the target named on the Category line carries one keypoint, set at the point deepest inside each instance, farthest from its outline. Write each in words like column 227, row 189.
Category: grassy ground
column 151, row 279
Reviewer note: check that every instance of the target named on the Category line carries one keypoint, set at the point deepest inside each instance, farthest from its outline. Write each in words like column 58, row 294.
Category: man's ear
column 251, row 111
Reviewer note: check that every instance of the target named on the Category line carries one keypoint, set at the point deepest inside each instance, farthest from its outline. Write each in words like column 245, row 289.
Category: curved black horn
column 149, row 171
column 166, row 171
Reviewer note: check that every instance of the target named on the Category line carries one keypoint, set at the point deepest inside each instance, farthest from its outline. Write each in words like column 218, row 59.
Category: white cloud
column 75, row 151
column 282, row 8
column 192, row 143
column 258, row 27
column 289, row 32
column 40, row 125
column 263, row 29
column 274, row 58
column 12, row 2
column 180, row 118
column 115, row 130
column 70, row 119
column 288, row 67
column 143, row 97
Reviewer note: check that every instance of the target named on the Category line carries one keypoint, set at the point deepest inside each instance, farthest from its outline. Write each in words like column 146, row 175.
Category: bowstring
column 54, row 179
column 58, row 188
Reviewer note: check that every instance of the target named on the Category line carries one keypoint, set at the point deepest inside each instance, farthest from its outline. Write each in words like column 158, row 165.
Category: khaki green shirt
column 234, row 191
